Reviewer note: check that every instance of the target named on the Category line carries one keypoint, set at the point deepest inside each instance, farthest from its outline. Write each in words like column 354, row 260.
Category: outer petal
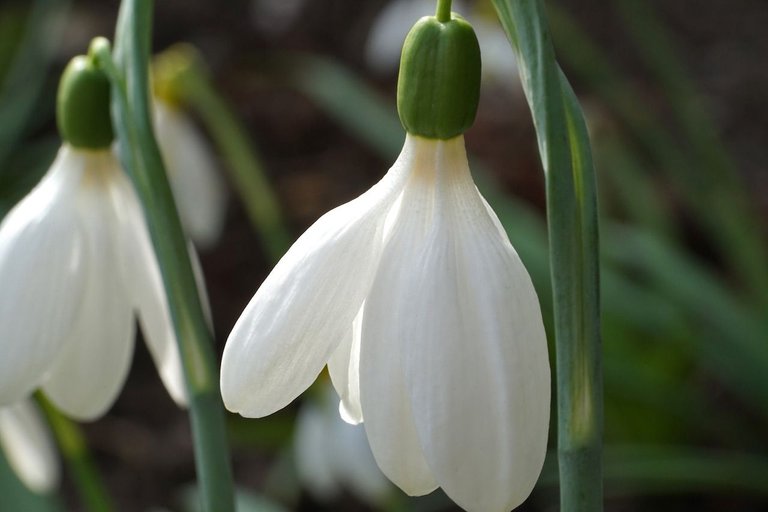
column 197, row 188
column 389, row 421
column 307, row 304
column 93, row 365
column 141, row 276
column 474, row 351
column 41, row 267
column 344, row 368
column 27, row 443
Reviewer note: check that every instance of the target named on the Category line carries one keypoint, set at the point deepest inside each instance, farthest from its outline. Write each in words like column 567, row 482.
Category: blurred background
column 675, row 97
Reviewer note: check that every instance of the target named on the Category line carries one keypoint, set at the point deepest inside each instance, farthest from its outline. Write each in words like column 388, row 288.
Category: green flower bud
column 439, row 84
column 82, row 110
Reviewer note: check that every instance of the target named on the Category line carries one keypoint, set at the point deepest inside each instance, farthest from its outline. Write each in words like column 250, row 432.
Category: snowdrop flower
column 331, row 454
column 415, row 299
column 197, row 187
column 27, row 444
column 77, row 265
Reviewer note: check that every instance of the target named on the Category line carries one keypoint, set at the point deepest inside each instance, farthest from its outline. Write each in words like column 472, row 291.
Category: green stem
column 141, row 157
column 573, row 240
column 246, row 170
column 443, row 11
column 75, row 452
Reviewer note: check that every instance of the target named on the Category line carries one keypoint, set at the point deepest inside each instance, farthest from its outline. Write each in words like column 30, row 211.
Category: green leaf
column 573, row 241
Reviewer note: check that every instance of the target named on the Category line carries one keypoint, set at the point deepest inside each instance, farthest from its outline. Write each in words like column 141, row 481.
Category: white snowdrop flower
column 415, row 299
column 77, row 266
column 28, row 447
column 449, row 370
column 192, row 171
column 332, row 455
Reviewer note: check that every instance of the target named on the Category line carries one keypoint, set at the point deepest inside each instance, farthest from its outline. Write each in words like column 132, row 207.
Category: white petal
column 474, row 351
column 314, row 464
column 344, row 368
column 389, row 420
column 141, row 275
column 192, row 170
column 92, row 367
column 41, row 265
column 306, row 306
column 27, row 443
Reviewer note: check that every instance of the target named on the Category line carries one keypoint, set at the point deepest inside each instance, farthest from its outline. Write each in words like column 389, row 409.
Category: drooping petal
column 389, row 421
column 344, row 368
column 27, row 443
column 314, row 461
column 306, row 306
column 141, row 276
column 197, row 187
column 41, row 267
column 474, row 351
column 92, row 367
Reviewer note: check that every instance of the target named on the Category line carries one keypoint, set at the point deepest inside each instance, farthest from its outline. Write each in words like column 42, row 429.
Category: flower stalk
column 128, row 74
column 443, row 10
column 573, row 236
column 70, row 440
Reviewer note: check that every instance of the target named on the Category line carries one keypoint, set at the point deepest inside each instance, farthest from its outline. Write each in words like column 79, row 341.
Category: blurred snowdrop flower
column 27, row 444
column 429, row 324
column 77, row 265
column 332, row 455
column 197, row 187
column 382, row 50
column 273, row 17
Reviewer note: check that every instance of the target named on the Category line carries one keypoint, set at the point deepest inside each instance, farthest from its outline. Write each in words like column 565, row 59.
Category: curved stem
column 129, row 75
column 73, row 448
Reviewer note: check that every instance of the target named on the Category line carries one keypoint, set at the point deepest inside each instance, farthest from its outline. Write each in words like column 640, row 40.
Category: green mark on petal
column 439, row 84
